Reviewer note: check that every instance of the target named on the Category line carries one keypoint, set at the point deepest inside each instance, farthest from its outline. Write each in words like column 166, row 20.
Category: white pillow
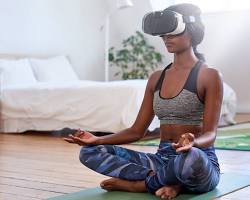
column 53, row 69
column 16, row 72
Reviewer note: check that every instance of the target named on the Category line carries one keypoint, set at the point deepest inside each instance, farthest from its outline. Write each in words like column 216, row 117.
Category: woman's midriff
column 173, row 132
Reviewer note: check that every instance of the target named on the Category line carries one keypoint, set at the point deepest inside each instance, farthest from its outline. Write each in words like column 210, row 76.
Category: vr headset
column 165, row 22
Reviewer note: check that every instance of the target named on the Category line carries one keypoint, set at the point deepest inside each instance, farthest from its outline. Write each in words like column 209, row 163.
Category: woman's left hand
column 185, row 143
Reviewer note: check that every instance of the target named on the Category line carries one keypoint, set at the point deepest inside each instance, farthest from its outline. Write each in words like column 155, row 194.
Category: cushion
column 53, row 69
column 16, row 72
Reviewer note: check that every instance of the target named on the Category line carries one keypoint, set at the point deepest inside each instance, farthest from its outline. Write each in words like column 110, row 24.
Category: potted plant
column 136, row 59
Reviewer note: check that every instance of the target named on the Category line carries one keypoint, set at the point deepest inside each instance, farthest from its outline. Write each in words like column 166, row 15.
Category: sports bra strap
column 191, row 83
column 159, row 82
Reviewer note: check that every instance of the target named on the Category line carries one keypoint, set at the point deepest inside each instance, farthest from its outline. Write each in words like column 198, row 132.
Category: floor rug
column 229, row 139
column 225, row 187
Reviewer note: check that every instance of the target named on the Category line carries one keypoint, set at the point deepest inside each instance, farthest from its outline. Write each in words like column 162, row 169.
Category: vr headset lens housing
column 165, row 22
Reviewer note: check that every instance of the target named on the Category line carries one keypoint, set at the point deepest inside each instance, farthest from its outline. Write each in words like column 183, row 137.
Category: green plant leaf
column 136, row 58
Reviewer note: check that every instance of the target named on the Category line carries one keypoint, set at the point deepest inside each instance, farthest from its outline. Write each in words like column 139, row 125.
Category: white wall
column 53, row 27
column 227, row 47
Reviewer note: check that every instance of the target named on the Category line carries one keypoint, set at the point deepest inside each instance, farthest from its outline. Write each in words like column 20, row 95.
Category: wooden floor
column 38, row 166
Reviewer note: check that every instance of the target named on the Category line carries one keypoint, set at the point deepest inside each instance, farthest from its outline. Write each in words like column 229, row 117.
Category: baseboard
column 243, row 109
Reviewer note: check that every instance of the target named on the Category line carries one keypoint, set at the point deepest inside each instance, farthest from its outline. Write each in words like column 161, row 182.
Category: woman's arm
column 212, row 100
column 136, row 131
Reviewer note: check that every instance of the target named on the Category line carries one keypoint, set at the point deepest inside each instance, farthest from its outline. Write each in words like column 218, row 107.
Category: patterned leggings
column 197, row 170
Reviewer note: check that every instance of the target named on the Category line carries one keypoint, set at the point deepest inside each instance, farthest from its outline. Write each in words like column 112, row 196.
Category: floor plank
column 243, row 194
column 6, row 196
column 57, row 188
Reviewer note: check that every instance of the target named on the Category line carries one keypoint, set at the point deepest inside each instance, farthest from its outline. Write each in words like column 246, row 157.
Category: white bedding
column 89, row 105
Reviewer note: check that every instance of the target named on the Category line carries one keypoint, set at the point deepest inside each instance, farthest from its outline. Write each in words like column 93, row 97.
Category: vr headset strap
column 190, row 19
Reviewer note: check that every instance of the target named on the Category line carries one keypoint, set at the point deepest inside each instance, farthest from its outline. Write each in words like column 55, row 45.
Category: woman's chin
column 170, row 50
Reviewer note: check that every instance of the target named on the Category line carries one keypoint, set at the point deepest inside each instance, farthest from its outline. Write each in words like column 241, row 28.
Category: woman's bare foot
column 116, row 184
column 168, row 192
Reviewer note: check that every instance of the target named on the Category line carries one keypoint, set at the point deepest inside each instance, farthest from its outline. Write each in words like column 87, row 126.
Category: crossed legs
column 140, row 172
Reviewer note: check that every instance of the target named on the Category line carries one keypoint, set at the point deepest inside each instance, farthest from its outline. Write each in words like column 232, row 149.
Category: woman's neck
column 185, row 59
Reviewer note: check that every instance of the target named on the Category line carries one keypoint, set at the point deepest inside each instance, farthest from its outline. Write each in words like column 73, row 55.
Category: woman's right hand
column 82, row 138
column 185, row 143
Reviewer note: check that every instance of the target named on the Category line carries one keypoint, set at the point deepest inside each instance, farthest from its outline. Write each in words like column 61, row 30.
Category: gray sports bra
column 185, row 108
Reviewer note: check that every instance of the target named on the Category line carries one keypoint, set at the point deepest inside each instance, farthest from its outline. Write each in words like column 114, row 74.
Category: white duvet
column 89, row 105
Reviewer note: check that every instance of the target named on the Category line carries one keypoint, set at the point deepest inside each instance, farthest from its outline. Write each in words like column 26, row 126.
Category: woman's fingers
column 80, row 137
column 185, row 142
column 74, row 139
column 70, row 140
column 183, row 149
column 159, row 192
column 175, row 145
column 79, row 141
column 179, row 143
column 79, row 133
column 181, row 140
column 190, row 136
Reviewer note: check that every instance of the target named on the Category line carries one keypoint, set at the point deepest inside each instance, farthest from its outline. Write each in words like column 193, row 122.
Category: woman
column 186, row 96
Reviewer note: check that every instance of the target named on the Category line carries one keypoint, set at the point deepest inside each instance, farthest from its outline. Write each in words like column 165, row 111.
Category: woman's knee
column 188, row 163
column 90, row 152
column 86, row 152
column 195, row 171
column 83, row 154
column 191, row 156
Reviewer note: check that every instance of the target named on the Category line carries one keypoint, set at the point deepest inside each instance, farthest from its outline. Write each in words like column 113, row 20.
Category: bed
column 50, row 96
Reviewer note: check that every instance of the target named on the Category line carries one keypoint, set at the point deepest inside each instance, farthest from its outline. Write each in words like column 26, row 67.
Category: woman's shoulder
column 155, row 75
column 209, row 68
column 153, row 79
column 209, row 73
